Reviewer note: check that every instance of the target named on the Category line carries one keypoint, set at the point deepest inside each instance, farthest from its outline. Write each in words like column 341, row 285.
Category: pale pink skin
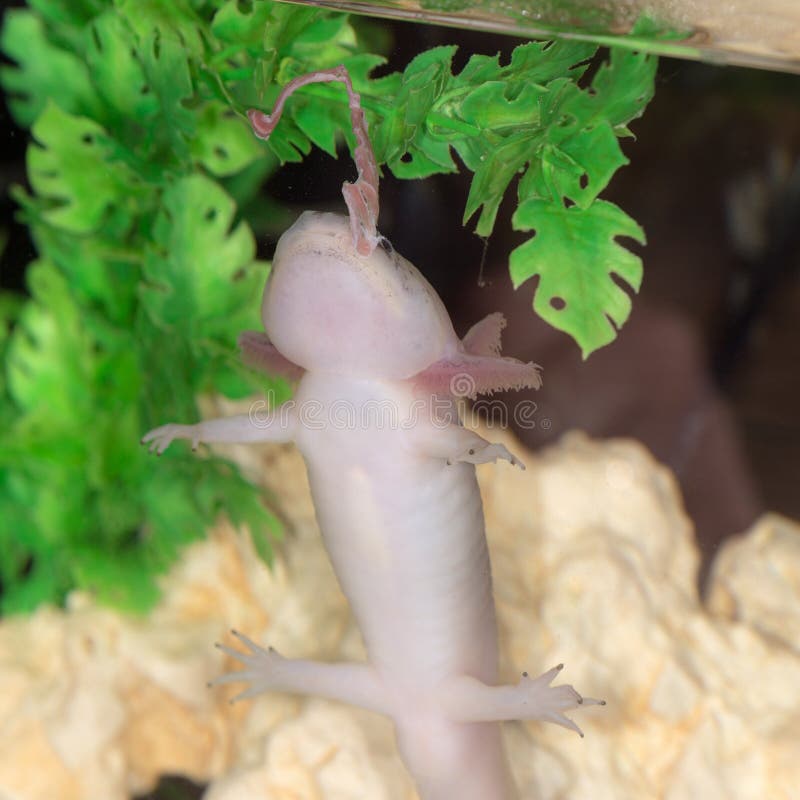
column 396, row 498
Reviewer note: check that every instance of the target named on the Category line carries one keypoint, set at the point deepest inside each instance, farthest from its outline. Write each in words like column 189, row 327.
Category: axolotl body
column 392, row 475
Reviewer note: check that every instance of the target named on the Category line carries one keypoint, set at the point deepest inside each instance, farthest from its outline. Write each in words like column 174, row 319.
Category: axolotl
column 396, row 496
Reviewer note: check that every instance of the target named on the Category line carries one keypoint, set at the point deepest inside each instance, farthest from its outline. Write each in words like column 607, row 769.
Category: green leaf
column 425, row 156
column 578, row 167
column 542, row 62
column 594, row 156
column 285, row 25
column 495, row 170
column 41, row 585
column 44, row 72
column 64, row 15
column 511, row 109
column 11, row 305
column 170, row 22
column 234, row 25
column 101, row 272
column 224, row 143
column 116, row 70
column 74, row 165
column 51, row 359
column 401, row 132
column 489, row 106
column 575, row 254
column 197, row 266
column 331, row 32
column 224, row 488
column 166, row 68
column 321, row 122
column 624, row 85
column 319, row 114
column 289, row 143
column 582, row 152
column 125, row 579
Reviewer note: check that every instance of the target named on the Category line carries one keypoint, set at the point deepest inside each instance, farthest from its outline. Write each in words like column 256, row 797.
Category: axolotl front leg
column 276, row 426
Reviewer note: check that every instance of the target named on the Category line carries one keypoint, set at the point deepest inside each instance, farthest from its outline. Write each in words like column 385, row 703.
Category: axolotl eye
column 328, row 308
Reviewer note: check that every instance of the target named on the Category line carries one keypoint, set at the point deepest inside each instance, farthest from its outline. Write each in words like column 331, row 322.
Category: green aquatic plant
column 141, row 169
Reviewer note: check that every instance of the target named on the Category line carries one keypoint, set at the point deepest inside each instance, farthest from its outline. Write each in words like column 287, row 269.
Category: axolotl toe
column 379, row 370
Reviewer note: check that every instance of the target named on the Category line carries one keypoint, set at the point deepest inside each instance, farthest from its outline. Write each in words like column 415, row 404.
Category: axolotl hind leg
column 466, row 699
column 268, row 671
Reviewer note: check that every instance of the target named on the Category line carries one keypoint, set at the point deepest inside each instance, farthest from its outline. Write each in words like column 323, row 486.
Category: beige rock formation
column 594, row 566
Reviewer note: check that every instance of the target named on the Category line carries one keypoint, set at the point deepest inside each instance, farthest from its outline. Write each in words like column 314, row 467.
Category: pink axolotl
column 397, row 502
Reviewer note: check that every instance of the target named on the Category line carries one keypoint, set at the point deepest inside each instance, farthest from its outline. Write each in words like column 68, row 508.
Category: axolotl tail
column 451, row 760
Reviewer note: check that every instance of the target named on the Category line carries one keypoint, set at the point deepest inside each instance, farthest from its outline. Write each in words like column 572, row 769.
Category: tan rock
column 594, row 565
column 756, row 580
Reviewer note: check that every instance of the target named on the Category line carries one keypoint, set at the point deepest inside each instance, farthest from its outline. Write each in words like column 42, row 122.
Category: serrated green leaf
column 50, row 357
column 166, row 67
column 70, row 13
column 289, row 143
column 169, row 494
column 494, row 172
column 73, row 165
column 111, row 54
column 596, row 153
column 40, row 586
column 173, row 22
column 238, row 26
column 488, row 106
column 124, row 579
column 578, row 168
column 536, row 121
column 478, row 70
column 426, row 155
column 44, row 72
column 582, row 151
column 223, row 142
column 328, row 31
column 423, row 81
column 542, row 62
column 285, row 24
column 101, row 272
column 226, row 489
column 196, row 259
column 624, row 85
column 321, row 122
column 67, row 13
column 359, row 65
column 11, row 304
column 171, row 374
column 50, row 486
column 575, row 253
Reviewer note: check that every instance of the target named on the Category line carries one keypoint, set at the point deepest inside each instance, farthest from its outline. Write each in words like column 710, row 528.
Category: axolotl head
column 329, row 309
